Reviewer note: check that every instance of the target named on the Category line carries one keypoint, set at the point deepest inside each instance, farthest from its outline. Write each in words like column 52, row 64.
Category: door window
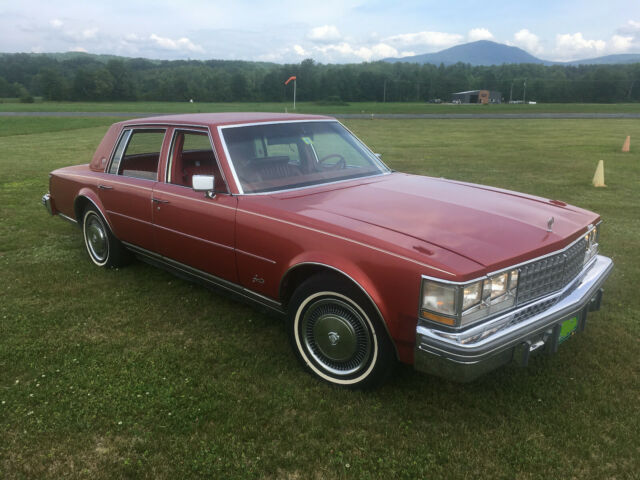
column 138, row 154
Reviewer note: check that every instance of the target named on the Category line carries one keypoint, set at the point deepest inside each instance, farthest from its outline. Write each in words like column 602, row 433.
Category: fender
column 91, row 196
column 349, row 270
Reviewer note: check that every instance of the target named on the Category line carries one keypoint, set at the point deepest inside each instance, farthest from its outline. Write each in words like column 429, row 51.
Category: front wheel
column 104, row 249
column 338, row 335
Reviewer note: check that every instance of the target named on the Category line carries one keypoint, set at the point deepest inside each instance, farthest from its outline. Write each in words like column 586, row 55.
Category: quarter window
column 138, row 154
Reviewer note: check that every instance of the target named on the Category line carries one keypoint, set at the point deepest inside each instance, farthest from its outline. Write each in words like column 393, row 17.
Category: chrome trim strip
column 215, row 244
column 130, row 218
column 123, row 132
column 110, row 180
column 69, row 219
column 207, row 278
column 264, row 259
column 333, row 235
column 375, row 306
column 184, row 197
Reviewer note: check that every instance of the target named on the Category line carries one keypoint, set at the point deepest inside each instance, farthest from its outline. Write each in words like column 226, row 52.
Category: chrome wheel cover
column 96, row 238
column 337, row 336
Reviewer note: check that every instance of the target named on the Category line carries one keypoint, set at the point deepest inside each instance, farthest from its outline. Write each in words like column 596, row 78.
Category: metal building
column 477, row 96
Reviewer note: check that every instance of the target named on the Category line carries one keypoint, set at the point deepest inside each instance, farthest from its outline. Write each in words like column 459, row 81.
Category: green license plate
column 567, row 328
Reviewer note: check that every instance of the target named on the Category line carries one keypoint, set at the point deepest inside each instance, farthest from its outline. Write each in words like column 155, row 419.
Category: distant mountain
column 484, row 52
column 608, row 60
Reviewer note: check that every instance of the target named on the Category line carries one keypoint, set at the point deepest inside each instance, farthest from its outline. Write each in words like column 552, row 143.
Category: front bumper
column 464, row 356
column 48, row 203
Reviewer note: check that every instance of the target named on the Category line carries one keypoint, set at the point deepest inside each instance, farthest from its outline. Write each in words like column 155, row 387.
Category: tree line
column 84, row 77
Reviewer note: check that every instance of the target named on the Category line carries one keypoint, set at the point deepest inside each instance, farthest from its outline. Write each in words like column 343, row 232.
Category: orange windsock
column 293, row 77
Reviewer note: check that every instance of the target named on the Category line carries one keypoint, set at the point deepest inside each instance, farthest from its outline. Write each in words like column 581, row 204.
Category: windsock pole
column 293, row 77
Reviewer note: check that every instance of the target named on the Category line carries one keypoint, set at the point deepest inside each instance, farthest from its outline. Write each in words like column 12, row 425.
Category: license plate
column 567, row 329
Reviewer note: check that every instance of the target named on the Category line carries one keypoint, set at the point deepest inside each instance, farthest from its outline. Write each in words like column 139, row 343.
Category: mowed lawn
column 134, row 373
column 13, row 105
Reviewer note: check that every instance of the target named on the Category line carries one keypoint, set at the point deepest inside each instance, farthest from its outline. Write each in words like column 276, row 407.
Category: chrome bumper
column 463, row 356
column 48, row 203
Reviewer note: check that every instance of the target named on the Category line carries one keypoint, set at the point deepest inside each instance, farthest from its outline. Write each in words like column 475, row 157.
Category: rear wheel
column 338, row 335
column 104, row 249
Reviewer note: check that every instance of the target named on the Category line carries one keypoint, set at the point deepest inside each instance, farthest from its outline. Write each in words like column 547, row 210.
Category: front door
column 191, row 228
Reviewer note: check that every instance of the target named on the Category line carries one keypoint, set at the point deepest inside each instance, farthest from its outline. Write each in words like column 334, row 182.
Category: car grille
column 551, row 273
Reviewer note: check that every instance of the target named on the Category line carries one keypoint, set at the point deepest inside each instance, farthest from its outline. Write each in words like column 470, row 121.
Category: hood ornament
column 550, row 223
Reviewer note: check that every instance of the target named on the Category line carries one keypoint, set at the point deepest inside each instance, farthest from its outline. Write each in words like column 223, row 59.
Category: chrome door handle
column 157, row 200
column 105, row 187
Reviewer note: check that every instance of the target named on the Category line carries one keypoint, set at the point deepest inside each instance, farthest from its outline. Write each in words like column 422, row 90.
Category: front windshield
column 279, row 156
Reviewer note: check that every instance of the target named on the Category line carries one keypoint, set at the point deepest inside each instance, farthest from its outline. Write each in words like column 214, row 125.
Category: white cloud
column 179, row 44
column 576, row 46
column 325, row 33
column 56, row 23
column 476, row 34
column 621, row 44
column 426, row 39
column 300, row 51
column 632, row 27
column 346, row 52
column 527, row 40
column 89, row 33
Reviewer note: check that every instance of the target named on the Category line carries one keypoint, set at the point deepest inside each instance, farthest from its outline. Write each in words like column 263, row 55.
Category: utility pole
column 384, row 92
column 524, row 93
column 511, row 92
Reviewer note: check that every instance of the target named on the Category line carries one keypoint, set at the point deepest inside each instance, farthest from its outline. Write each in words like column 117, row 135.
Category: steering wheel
column 340, row 163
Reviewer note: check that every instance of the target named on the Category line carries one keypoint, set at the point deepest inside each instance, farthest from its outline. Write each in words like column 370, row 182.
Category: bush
column 26, row 99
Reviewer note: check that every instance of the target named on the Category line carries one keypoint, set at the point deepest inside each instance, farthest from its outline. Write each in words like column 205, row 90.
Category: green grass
column 134, row 373
column 312, row 107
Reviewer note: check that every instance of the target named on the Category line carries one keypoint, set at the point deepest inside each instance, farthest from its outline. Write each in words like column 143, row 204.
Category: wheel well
column 79, row 206
column 297, row 275
column 294, row 278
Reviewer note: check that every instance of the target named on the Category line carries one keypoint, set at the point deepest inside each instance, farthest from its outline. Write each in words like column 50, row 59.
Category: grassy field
column 133, row 373
column 311, row 107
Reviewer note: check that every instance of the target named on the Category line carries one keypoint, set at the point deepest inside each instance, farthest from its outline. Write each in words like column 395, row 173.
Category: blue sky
column 329, row 31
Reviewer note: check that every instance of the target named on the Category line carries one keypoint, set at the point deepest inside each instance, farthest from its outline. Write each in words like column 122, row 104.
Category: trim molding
column 205, row 278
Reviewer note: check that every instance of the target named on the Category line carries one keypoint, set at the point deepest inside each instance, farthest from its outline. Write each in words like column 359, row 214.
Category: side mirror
column 379, row 155
column 204, row 183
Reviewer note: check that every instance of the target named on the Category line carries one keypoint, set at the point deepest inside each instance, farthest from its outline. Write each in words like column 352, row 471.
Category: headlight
column 440, row 298
column 464, row 303
column 591, row 238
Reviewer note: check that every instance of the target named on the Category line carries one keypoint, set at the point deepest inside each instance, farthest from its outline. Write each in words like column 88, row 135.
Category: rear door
column 126, row 191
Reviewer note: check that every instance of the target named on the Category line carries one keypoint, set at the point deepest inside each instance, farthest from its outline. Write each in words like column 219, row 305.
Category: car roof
column 218, row 119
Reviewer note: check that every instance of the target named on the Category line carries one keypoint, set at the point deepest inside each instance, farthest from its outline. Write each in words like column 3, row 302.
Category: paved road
column 425, row 116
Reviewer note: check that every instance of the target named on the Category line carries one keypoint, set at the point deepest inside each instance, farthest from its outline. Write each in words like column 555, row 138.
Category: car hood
column 491, row 227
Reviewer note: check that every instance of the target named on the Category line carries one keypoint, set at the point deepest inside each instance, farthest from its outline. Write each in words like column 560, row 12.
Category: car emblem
column 550, row 224
column 333, row 338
